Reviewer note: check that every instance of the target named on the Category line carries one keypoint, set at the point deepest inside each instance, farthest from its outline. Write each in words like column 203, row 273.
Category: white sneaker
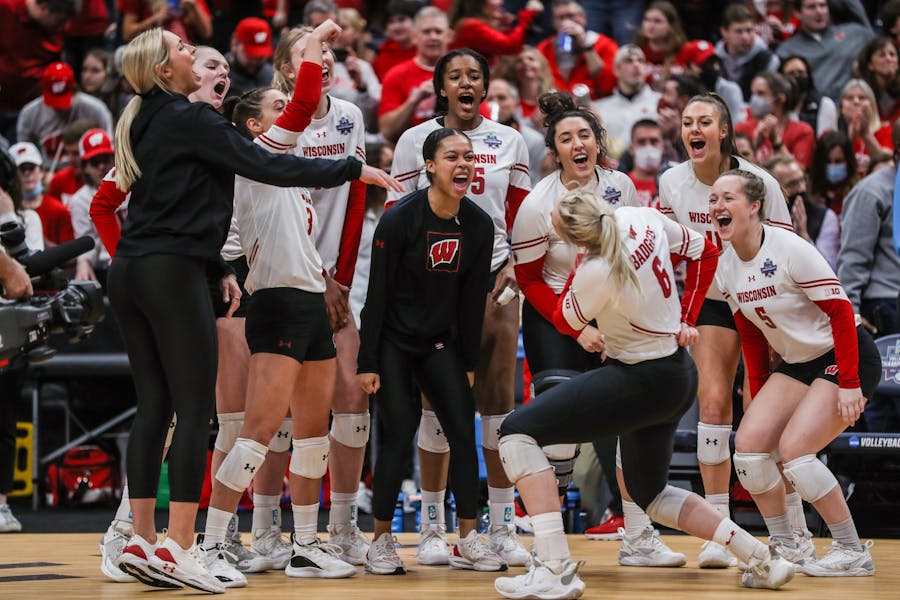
column 114, row 541
column 648, row 550
column 221, row 566
column 842, row 561
column 553, row 580
column 135, row 561
column 317, row 560
column 715, row 556
column 474, row 552
column 433, row 545
column 353, row 543
column 506, row 543
column 410, row 495
column 8, row 522
column 770, row 572
column 364, row 499
column 185, row 566
column 244, row 559
column 382, row 558
column 807, row 546
column 274, row 551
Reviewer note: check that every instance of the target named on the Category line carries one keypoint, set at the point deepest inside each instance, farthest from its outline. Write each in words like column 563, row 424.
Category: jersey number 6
column 662, row 276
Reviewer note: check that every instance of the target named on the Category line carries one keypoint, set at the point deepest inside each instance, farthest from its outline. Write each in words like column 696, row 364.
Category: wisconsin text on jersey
column 325, row 150
column 757, row 294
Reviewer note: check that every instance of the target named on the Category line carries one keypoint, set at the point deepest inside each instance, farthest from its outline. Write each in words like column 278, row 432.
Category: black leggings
column 641, row 403
column 162, row 305
column 441, row 376
column 546, row 349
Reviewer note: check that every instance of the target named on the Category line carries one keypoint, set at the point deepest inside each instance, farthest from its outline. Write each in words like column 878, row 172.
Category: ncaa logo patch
column 768, row 269
column 345, row 126
column 492, row 141
column 854, row 441
column 443, row 251
column 611, row 195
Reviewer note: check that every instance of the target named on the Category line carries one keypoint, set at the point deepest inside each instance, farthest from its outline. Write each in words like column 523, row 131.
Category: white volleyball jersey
column 341, row 133
column 501, row 163
column 232, row 250
column 776, row 291
column 640, row 324
column 277, row 228
column 685, row 199
column 533, row 236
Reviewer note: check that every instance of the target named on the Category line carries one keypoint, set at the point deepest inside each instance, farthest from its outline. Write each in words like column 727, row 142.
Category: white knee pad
column 757, row 472
column 431, row 434
column 562, row 459
column 712, row 443
column 229, row 427
column 521, row 456
column 239, row 467
column 171, row 432
column 310, row 457
column 490, row 430
column 281, row 441
column 811, row 478
column 666, row 507
column 351, row 429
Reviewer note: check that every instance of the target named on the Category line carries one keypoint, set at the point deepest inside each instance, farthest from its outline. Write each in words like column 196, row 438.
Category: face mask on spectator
column 803, row 84
column 759, row 106
column 647, row 158
column 836, row 173
column 37, row 191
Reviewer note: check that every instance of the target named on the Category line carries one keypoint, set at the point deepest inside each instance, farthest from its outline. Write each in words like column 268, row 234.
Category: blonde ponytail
column 590, row 222
column 282, row 57
column 139, row 61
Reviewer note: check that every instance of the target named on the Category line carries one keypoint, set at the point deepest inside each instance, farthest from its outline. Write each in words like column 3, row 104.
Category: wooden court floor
column 62, row 566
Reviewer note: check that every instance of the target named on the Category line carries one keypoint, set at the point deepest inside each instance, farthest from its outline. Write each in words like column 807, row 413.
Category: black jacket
column 188, row 155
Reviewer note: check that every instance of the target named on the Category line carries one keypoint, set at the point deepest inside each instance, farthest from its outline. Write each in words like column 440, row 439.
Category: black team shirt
column 428, row 280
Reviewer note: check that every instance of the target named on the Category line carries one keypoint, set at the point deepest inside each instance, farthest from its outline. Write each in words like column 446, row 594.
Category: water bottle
column 563, row 42
column 572, row 508
column 454, row 524
column 397, row 521
column 484, row 521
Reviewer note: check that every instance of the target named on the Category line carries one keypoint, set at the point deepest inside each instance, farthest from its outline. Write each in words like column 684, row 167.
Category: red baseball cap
column 256, row 37
column 94, row 142
column 695, row 52
column 59, row 85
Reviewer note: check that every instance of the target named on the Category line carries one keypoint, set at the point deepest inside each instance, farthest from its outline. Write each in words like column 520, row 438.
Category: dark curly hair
column 557, row 106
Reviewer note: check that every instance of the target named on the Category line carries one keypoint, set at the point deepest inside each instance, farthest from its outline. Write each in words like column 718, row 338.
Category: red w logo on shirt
column 443, row 251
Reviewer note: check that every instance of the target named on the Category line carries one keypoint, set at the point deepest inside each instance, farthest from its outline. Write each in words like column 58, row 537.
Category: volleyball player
column 784, row 294
column 708, row 135
column 500, row 182
column 626, row 283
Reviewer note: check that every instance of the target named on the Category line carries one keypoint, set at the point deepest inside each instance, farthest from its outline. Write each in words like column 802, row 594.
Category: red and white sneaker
column 607, row 530
column 474, row 552
column 185, row 566
column 134, row 561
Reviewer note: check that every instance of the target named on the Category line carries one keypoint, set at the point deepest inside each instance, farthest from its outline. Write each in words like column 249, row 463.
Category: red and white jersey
column 776, row 291
column 501, row 172
column 341, row 133
column 533, row 236
column 640, row 324
column 685, row 199
column 277, row 232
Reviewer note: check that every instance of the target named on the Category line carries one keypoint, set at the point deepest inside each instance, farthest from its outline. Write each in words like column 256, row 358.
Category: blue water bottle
column 484, row 521
column 397, row 521
column 454, row 524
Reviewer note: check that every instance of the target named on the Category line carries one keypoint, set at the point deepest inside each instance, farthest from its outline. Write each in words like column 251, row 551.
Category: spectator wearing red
column 660, row 37
column 96, row 151
column 42, row 120
column 877, row 64
column 250, row 56
column 67, row 180
column 191, row 21
column 85, row 31
column 578, row 56
column 398, row 45
column 699, row 58
column 480, row 25
column 647, row 148
column 530, row 73
column 55, row 219
column 407, row 91
column 773, row 129
column 858, row 118
column 30, row 39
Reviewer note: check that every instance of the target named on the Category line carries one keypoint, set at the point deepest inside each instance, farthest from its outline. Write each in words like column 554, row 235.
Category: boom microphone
column 41, row 262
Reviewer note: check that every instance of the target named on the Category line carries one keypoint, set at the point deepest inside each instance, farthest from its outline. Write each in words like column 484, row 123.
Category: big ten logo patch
column 443, row 251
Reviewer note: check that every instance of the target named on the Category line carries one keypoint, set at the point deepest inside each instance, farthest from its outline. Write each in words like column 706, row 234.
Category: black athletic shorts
column 289, row 322
column 241, row 268
column 825, row 366
column 716, row 312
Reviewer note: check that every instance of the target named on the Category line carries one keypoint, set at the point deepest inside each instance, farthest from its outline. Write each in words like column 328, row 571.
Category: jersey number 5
column 662, row 276
column 761, row 313
column 477, row 187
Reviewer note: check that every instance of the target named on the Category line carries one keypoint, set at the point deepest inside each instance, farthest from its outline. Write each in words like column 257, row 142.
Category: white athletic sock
column 216, row 526
column 720, row 503
column 550, row 536
column 845, row 533
column 433, row 508
column 123, row 513
column 343, row 508
column 305, row 522
column 779, row 527
column 501, row 501
column 266, row 512
column 795, row 512
column 636, row 520
column 233, row 531
column 742, row 544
